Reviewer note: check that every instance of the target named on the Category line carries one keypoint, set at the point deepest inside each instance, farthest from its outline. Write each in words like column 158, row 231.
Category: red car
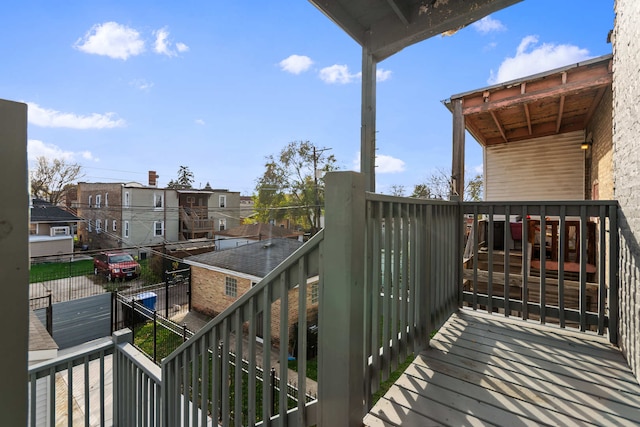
column 116, row 265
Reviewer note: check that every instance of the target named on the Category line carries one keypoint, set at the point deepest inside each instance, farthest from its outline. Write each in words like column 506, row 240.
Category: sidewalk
column 196, row 321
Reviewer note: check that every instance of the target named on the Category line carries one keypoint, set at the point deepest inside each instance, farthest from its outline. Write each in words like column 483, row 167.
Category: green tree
column 292, row 186
column 50, row 178
column 184, row 181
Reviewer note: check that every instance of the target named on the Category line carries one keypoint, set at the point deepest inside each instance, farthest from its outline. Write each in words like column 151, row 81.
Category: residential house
column 249, row 233
column 133, row 214
column 205, row 212
column 51, row 230
column 219, row 278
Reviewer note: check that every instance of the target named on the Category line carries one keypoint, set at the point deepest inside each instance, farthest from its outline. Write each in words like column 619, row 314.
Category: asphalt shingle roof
column 256, row 259
column 259, row 231
column 43, row 211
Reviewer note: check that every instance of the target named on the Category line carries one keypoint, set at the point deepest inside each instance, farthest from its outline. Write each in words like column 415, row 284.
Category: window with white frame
column 223, row 201
column 90, row 200
column 222, row 224
column 314, row 293
column 89, row 229
column 126, row 229
column 157, row 200
column 158, row 228
column 231, row 287
column 106, row 200
column 127, row 199
column 98, row 200
column 115, row 225
column 98, row 226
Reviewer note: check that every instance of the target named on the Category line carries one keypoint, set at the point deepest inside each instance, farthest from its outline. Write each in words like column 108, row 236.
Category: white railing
column 203, row 386
column 105, row 383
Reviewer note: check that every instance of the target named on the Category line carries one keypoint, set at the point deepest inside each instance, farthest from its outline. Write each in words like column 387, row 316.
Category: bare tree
column 438, row 186
column 50, row 178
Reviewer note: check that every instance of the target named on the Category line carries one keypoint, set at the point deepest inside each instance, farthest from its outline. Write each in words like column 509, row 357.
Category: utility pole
column 318, row 210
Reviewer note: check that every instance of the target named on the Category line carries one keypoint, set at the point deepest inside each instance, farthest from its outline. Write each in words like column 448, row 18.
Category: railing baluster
column 395, row 294
column 543, row 264
column 251, row 392
column 526, row 263
column 602, row 282
column 225, row 376
column 583, row 268
column 266, row 354
column 561, row 257
column 284, row 341
column 301, row 358
column 506, row 245
column 490, row 234
column 237, row 397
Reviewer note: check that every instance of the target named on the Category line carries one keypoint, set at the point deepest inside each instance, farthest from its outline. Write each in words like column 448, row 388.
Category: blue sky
column 125, row 87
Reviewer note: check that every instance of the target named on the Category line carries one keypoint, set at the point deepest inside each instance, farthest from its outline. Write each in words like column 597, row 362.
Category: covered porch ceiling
column 555, row 102
column 387, row 26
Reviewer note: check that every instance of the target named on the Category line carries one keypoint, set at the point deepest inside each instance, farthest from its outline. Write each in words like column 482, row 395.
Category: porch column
column 341, row 316
column 457, row 166
column 368, row 126
column 14, row 262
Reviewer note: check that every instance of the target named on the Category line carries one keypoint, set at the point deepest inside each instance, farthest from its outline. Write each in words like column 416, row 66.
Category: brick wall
column 601, row 173
column 208, row 297
column 110, row 209
column 626, row 158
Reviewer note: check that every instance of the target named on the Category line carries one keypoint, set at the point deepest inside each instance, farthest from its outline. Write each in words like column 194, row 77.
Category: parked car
column 116, row 265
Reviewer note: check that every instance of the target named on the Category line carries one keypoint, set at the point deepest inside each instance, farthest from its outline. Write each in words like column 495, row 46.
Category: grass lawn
column 60, row 270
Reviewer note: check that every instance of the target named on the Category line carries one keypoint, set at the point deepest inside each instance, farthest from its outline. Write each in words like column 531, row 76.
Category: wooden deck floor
column 488, row 370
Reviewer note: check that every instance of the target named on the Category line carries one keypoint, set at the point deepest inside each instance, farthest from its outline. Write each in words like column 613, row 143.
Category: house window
column 191, row 200
column 106, row 200
column 115, row 225
column 157, row 200
column 127, row 200
column 158, row 228
column 314, row 293
column 223, row 201
column 231, row 287
column 90, row 200
column 98, row 226
column 98, row 200
column 89, row 229
column 126, row 229
column 222, row 224
column 33, row 228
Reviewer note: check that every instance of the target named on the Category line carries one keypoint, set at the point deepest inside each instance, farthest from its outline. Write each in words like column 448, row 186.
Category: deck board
column 487, row 369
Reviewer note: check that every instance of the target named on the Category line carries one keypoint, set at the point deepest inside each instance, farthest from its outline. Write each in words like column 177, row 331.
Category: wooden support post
column 368, row 126
column 457, row 165
column 341, row 317
column 14, row 261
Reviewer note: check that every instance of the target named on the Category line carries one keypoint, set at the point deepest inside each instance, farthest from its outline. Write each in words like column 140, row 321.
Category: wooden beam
column 499, row 126
column 555, row 92
column 527, row 113
column 560, row 112
column 401, row 14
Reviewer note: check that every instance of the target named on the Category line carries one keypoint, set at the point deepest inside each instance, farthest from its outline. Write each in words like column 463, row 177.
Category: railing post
column 614, row 279
column 121, row 336
column 341, row 308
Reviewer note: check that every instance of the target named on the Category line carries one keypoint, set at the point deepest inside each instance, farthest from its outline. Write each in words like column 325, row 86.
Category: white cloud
column 37, row 148
column 384, row 164
column 200, row 122
column 51, row 118
column 141, row 84
column 382, row 75
column 388, row 164
column 532, row 58
column 337, row 74
column 296, row 64
column 488, row 25
column 162, row 44
column 341, row 74
column 111, row 39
